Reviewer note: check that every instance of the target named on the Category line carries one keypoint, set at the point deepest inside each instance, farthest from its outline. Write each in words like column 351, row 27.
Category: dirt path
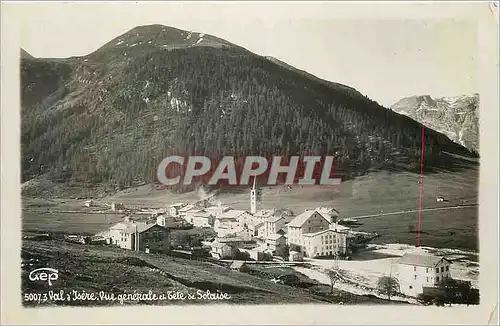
column 414, row 211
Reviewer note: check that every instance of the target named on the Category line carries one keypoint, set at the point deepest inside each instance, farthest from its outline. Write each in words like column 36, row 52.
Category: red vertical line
column 420, row 187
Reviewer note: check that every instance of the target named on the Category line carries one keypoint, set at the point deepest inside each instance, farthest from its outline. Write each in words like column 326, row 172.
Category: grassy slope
column 95, row 268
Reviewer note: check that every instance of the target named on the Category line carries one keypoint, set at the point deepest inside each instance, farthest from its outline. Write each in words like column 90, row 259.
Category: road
column 412, row 211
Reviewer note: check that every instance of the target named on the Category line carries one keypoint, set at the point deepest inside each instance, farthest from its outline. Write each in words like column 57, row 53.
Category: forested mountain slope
column 111, row 116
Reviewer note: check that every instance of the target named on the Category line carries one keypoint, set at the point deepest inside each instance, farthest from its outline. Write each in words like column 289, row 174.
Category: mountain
column 457, row 117
column 314, row 78
column 111, row 116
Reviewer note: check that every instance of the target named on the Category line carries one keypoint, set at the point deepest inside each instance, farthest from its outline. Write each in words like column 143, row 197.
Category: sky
column 382, row 55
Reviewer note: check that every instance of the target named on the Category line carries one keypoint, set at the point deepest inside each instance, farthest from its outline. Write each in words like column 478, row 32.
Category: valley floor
column 382, row 202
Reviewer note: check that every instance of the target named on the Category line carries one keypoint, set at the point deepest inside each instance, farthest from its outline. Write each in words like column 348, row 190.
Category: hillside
column 457, row 117
column 110, row 117
column 115, row 271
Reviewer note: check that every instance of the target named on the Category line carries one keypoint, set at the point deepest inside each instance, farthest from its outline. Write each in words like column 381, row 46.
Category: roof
column 258, row 225
column 141, row 227
column 119, row 226
column 232, row 214
column 319, row 233
column 274, row 236
column 218, row 208
column 186, row 208
column 237, row 264
column 202, row 214
column 341, row 228
column 302, row 218
column 326, row 209
column 218, row 245
column 274, row 219
column 421, row 260
column 177, row 205
column 231, row 239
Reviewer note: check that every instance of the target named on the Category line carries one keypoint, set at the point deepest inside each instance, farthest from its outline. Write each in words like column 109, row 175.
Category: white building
column 170, row 222
column 217, row 210
column 308, row 222
column 314, row 235
column 184, row 211
column 416, row 271
column 324, row 243
column 277, row 224
column 329, row 212
column 174, row 208
column 202, row 219
column 138, row 236
column 262, row 215
column 220, row 250
column 229, row 222
column 275, row 242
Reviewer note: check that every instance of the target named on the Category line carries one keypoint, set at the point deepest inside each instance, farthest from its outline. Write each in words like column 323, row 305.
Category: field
column 101, row 268
column 454, row 225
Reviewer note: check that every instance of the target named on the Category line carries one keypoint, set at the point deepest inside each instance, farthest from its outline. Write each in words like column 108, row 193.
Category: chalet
column 139, row 236
column 221, row 250
column 262, row 215
column 416, row 271
column 257, row 229
column 239, row 266
column 229, row 221
column 174, row 208
column 202, row 219
column 171, row 222
column 116, row 207
column 330, row 213
column 244, row 233
column 235, row 242
column 186, row 210
column 274, row 224
column 308, row 222
column 295, row 256
column 275, row 242
column 217, row 210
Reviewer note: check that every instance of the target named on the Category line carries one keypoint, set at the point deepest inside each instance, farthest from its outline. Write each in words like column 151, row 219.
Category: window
column 437, row 278
column 414, row 268
column 411, row 287
column 427, row 279
column 427, row 270
column 415, row 277
column 437, row 270
column 447, row 268
column 442, row 269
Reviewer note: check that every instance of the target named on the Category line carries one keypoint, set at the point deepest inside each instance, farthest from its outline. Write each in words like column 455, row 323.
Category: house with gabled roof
column 310, row 221
column 239, row 266
column 231, row 221
column 277, row 224
column 139, row 236
column 416, row 271
column 275, row 242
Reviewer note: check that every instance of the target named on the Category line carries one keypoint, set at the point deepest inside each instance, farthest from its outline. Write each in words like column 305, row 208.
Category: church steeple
column 254, row 197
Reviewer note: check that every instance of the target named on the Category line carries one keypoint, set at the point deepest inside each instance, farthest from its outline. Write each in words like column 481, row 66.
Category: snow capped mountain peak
column 455, row 116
